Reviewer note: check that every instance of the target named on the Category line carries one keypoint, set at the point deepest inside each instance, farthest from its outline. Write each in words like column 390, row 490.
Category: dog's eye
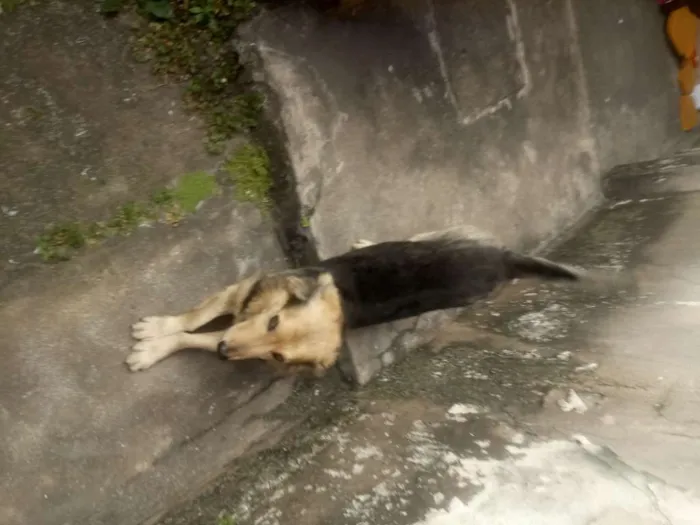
column 278, row 357
column 272, row 323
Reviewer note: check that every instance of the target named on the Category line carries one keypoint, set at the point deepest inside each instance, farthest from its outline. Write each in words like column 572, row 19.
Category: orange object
column 682, row 30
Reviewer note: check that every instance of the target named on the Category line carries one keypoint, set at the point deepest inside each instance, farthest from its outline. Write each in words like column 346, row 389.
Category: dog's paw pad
column 147, row 353
column 361, row 243
column 154, row 327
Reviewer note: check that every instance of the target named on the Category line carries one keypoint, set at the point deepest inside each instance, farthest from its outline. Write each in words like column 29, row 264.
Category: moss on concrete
column 225, row 519
column 249, row 170
column 192, row 189
column 61, row 241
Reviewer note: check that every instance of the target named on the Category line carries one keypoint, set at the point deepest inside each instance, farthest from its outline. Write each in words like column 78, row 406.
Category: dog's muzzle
column 222, row 350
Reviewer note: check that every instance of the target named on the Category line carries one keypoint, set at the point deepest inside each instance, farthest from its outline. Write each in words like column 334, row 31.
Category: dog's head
column 293, row 317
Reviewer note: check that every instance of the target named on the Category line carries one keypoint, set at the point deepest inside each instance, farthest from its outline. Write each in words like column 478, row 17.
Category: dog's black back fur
column 395, row 280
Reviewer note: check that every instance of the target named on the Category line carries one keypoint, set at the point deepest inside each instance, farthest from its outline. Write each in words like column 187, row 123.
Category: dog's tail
column 526, row 266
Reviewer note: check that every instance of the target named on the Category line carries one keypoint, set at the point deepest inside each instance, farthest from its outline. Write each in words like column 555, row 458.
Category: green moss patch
column 7, row 6
column 61, row 241
column 225, row 519
column 192, row 189
column 249, row 170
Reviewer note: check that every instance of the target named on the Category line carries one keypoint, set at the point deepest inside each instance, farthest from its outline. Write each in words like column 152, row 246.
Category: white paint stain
column 573, row 402
column 367, row 452
column 559, row 483
column 337, row 474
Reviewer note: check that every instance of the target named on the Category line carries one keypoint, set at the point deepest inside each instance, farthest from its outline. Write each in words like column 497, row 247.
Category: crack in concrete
column 664, row 402
column 515, row 33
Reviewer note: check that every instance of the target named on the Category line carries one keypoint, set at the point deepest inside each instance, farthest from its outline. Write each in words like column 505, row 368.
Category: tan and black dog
column 298, row 317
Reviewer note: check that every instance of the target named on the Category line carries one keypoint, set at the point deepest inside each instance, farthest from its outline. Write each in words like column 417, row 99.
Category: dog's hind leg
column 214, row 306
column 148, row 352
column 458, row 233
column 361, row 243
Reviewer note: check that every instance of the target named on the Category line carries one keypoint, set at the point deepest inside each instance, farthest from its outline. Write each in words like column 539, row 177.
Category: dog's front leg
column 148, row 352
column 214, row 306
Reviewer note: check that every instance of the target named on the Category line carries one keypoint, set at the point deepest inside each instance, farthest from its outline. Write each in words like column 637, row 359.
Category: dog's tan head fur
column 289, row 317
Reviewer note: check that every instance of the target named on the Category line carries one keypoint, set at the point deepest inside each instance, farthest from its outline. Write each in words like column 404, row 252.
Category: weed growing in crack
column 58, row 242
column 249, row 170
column 190, row 40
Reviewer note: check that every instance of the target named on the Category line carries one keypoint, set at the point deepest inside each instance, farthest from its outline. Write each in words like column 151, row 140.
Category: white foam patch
column 557, row 483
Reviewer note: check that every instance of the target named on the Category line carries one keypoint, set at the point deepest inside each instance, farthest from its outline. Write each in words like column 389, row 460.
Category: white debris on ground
column 560, row 483
column 377, row 471
column 459, row 411
column 547, row 325
column 586, row 368
column 573, row 402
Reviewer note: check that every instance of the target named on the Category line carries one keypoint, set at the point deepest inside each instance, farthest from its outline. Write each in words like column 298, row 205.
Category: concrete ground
column 549, row 405
column 84, row 130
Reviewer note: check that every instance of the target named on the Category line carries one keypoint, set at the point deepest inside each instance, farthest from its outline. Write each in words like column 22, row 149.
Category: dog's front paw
column 361, row 243
column 154, row 327
column 147, row 353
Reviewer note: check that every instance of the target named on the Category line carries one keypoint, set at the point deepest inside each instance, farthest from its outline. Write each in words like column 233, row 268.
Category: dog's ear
column 300, row 289
column 303, row 287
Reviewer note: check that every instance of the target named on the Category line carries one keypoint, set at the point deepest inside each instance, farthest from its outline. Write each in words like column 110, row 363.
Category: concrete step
column 679, row 173
column 396, row 123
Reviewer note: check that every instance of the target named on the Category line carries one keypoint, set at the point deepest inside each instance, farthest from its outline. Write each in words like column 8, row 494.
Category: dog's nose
column 222, row 350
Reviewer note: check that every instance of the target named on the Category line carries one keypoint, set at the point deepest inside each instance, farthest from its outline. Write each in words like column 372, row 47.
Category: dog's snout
column 222, row 350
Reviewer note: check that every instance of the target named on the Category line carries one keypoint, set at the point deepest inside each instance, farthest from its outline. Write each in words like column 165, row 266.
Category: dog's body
column 298, row 317
column 394, row 280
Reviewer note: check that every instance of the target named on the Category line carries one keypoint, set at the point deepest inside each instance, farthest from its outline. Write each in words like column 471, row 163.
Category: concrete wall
column 630, row 77
column 500, row 114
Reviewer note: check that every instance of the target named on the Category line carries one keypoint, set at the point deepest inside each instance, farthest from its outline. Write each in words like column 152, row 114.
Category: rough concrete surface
column 86, row 441
column 499, row 114
column 666, row 175
column 82, row 128
column 550, row 404
column 499, row 99
column 389, row 134
column 633, row 103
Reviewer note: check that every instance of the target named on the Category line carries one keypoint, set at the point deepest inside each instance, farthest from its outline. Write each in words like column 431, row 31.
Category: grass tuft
column 190, row 41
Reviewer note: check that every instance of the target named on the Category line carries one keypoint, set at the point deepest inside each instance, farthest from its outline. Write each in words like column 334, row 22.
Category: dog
column 296, row 319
